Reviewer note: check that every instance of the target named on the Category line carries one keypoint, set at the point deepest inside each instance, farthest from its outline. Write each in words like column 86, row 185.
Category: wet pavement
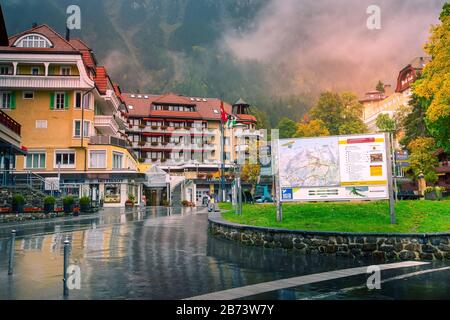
column 161, row 253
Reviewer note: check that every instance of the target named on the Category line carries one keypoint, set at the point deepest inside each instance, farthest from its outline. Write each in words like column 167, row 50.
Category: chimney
column 4, row 41
column 67, row 34
column 388, row 90
column 34, row 25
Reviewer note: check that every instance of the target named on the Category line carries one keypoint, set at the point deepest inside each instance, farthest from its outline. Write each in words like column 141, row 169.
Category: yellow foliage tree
column 434, row 84
column 312, row 128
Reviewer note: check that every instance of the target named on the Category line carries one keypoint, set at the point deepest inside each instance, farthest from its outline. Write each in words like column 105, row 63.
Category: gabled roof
column 101, row 79
column 206, row 108
column 59, row 43
column 241, row 102
column 172, row 98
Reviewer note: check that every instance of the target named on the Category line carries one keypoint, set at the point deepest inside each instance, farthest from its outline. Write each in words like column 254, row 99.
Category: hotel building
column 182, row 136
column 72, row 115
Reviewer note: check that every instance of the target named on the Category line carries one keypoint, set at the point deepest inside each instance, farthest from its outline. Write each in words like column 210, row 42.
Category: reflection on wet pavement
column 159, row 253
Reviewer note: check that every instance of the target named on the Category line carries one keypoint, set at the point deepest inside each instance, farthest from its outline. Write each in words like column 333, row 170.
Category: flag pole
column 222, row 197
column 222, row 169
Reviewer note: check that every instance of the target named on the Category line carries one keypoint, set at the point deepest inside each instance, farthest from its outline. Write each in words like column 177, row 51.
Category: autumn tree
column 422, row 158
column 311, row 128
column 434, row 84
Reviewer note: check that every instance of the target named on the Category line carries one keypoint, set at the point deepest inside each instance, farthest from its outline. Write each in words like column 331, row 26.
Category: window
column 65, row 71
column 4, row 70
column 33, row 41
column 35, row 160
column 77, row 128
column 5, row 102
column 65, row 158
column 117, row 160
column 87, row 128
column 77, row 102
column 35, row 71
column 97, row 159
column 60, row 100
column 28, row 95
column 87, row 99
column 41, row 124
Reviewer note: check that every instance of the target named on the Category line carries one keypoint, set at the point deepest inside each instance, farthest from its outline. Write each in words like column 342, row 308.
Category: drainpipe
column 82, row 127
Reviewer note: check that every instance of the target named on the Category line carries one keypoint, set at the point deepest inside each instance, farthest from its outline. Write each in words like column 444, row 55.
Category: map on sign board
column 333, row 168
column 310, row 163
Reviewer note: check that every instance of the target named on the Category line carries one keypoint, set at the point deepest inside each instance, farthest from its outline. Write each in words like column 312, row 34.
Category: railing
column 174, row 130
column 108, row 140
column 10, row 123
column 33, row 81
column 101, row 121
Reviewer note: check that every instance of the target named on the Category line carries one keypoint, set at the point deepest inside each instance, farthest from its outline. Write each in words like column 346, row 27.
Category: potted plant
column 164, row 143
column 18, row 202
column 154, row 143
column 85, row 204
column 154, row 127
column 141, row 160
column 163, row 127
column 49, row 204
column 68, row 204
column 185, row 203
column 141, row 143
column 141, row 126
column 130, row 201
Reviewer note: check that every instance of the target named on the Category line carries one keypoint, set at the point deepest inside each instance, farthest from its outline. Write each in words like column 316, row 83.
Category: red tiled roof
column 172, row 98
column 206, row 110
column 59, row 43
column 101, row 79
column 246, row 117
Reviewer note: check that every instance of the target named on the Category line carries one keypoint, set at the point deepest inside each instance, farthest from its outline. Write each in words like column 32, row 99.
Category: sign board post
column 390, row 179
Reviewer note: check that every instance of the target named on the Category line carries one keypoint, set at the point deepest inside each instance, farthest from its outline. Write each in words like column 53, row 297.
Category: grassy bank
column 412, row 216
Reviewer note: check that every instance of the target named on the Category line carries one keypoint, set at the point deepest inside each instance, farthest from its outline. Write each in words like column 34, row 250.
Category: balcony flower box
column 154, row 159
column 164, row 143
column 154, row 144
column 142, row 126
column 141, row 143
column 154, row 127
column 141, row 160
column 163, row 160
column 163, row 127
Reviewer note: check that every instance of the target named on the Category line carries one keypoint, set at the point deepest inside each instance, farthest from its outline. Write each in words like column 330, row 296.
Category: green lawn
column 412, row 216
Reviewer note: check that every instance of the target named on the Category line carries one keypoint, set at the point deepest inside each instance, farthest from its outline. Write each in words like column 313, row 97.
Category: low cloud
column 327, row 45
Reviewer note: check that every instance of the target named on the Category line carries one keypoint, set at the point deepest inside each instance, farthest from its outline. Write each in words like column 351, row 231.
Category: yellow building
column 72, row 115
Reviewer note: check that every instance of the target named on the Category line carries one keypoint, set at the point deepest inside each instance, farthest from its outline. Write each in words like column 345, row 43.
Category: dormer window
column 33, row 41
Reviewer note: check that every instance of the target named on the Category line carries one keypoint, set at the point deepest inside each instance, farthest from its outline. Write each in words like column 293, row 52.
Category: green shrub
column 131, row 198
column 49, row 200
column 68, row 200
column 18, row 199
column 85, row 200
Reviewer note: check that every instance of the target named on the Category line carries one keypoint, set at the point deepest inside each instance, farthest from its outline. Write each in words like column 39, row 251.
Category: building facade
column 376, row 103
column 72, row 115
column 183, row 136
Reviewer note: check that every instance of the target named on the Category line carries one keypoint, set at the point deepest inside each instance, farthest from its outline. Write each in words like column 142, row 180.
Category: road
column 166, row 253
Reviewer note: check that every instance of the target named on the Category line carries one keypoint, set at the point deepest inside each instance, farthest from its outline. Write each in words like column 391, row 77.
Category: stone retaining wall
column 382, row 247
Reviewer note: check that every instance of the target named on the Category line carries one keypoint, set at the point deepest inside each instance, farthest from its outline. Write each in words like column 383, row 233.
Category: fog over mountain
column 277, row 54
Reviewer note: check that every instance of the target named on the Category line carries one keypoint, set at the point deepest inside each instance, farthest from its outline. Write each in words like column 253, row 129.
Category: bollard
column 11, row 252
column 66, row 265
